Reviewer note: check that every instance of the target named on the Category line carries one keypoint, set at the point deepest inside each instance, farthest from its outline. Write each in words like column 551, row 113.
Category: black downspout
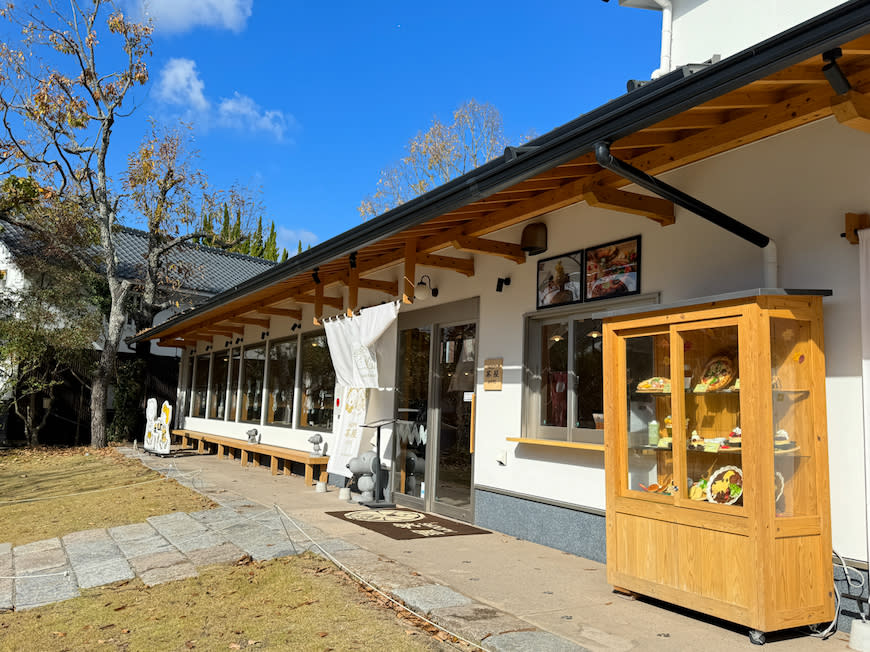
column 606, row 160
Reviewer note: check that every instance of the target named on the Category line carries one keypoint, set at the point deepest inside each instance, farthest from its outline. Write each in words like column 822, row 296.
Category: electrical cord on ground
column 359, row 578
column 859, row 584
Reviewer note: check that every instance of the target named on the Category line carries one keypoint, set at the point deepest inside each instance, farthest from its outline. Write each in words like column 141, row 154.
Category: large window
column 253, row 368
column 282, row 379
column 317, row 383
column 200, row 385
column 235, row 358
column 218, row 396
column 564, row 392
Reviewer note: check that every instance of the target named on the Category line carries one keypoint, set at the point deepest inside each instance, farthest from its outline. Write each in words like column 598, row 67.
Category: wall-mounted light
column 264, row 335
column 294, row 327
column 534, row 239
column 424, row 289
column 501, row 282
column 208, row 348
column 227, row 343
column 239, row 340
column 315, row 276
column 832, row 72
column 352, row 259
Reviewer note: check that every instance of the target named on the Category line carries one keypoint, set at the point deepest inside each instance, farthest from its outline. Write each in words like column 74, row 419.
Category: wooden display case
column 728, row 514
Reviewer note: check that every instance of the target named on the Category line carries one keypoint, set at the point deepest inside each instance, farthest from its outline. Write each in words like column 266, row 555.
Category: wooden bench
column 224, row 444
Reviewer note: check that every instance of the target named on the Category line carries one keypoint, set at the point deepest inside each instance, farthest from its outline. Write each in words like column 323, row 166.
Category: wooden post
column 410, row 271
column 352, row 290
column 318, row 303
column 273, row 465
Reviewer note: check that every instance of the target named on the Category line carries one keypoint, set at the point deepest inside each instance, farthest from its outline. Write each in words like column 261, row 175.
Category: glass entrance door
column 454, row 380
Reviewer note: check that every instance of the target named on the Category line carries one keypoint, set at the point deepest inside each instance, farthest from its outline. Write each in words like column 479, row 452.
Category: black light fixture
column 239, row 340
column 294, row 327
column 316, row 276
column 208, row 348
column 833, row 73
column 501, row 282
column 264, row 335
column 227, row 343
column 352, row 259
column 424, row 289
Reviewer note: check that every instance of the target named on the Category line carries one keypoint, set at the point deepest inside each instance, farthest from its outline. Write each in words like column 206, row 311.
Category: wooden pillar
column 352, row 290
column 410, row 271
column 318, row 303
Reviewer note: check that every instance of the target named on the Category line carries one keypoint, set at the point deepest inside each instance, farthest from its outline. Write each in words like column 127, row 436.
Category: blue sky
column 309, row 101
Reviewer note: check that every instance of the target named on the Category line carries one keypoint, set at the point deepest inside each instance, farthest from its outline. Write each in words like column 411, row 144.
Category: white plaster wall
column 14, row 278
column 702, row 28
column 795, row 188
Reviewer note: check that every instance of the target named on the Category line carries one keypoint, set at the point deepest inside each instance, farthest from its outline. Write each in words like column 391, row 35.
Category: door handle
column 471, row 429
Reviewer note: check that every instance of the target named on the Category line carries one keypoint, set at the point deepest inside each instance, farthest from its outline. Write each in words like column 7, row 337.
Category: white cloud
column 241, row 112
column 180, row 84
column 289, row 239
column 176, row 16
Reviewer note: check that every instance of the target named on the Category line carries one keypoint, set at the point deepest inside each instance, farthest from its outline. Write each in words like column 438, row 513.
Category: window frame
column 294, row 339
column 533, row 323
column 299, row 377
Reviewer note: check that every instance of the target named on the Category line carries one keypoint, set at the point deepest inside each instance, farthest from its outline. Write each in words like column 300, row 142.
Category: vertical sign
column 492, row 373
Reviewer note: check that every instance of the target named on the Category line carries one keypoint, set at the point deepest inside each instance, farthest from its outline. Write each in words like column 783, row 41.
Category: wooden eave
column 786, row 99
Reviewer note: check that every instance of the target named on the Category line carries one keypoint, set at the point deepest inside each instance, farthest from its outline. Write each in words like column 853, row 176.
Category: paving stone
column 429, row 597
column 478, row 621
column 199, row 541
column 538, row 641
column 330, row 545
column 86, row 536
column 226, row 553
column 163, row 567
column 6, row 583
column 37, row 546
column 107, row 572
column 217, row 515
column 262, row 552
column 139, row 539
column 382, row 572
column 35, row 591
column 34, row 563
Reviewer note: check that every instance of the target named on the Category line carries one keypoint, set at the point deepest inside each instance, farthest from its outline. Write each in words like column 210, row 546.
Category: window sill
column 558, row 444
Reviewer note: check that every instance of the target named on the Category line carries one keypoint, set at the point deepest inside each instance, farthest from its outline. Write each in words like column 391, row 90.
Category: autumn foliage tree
column 66, row 76
column 439, row 154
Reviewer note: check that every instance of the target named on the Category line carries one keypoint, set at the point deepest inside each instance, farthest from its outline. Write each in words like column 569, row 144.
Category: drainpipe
column 609, row 162
column 667, row 40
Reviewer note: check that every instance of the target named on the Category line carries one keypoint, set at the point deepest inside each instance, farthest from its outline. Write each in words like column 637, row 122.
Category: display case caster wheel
column 756, row 637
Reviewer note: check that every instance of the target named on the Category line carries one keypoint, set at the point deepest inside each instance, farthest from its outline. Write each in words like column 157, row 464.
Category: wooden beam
column 280, row 312
column 175, row 344
column 507, row 250
column 387, row 287
column 461, row 265
column 852, row 110
column 410, row 271
column 352, row 290
column 318, row 303
column 253, row 321
column 334, row 302
column 655, row 208
column 217, row 331
column 854, row 223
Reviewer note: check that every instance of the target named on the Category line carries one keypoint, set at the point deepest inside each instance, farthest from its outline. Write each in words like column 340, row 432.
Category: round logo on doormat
column 385, row 516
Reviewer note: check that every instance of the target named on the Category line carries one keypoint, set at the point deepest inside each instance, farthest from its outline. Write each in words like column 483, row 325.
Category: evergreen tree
column 226, row 226
column 236, row 233
column 270, row 249
column 207, row 227
column 256, row 240
column 284, row 255
column 300, row 247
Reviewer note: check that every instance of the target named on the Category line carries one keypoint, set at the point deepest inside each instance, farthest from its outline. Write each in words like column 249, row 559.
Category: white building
column 764, row 135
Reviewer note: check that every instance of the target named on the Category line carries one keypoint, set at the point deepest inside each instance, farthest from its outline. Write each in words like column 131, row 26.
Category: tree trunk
column 106, row 368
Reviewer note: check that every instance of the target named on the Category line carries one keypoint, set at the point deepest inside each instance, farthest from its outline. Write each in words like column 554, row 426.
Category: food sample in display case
column 714, row 429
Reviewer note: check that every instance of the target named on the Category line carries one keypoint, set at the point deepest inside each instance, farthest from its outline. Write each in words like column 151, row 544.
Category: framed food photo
column 560, row 280
column 612, row 269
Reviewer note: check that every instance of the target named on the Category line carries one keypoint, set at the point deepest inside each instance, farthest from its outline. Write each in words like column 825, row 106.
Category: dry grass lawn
column 295, row 603
column 55, row 473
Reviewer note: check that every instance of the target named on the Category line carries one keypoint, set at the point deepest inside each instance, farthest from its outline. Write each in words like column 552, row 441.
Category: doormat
column 403, row 524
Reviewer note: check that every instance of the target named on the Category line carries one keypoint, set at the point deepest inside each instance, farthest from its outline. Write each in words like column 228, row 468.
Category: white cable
column 859, row 584
column 359, row 578
column 24, row 577
column 80, row 493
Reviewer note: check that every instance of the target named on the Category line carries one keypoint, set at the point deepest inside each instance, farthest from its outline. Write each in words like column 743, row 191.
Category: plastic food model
column 718, row 373
column 725, row 486
column 655, row 384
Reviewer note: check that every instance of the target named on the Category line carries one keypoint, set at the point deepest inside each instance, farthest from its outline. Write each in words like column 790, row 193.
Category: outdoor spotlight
column 833, row 73
column 227, row 343
column 316, row 276
column 208, row 348
column 264, row 335
column 238, row 340
column 424, row 288
column 501, row 282
column 352, row 258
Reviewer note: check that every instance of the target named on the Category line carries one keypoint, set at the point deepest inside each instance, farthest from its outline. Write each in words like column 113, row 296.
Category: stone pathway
column 171, row 546
column 165, row 548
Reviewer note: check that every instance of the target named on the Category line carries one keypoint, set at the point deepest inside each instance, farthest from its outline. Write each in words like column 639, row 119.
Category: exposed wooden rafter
column 253, row 321
column 462, row 265
column 655, row 208
column 334, row 302
column 176, row 343
column 852, row 110
column 507, row 250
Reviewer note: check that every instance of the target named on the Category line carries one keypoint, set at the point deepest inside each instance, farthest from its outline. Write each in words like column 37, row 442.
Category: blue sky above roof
column 309, row 102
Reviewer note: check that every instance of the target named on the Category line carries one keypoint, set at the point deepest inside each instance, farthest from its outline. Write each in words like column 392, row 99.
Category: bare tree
column 441, row 153
column 62, row 88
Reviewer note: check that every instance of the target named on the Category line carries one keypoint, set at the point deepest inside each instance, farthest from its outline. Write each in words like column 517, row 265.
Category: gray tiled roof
column 206, row 269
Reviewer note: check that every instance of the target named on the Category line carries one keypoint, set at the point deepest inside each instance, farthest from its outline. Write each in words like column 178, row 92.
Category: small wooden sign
column 492, row 370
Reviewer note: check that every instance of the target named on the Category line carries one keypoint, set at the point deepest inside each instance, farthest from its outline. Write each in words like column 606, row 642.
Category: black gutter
column 607, row 160
column 652, row 103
